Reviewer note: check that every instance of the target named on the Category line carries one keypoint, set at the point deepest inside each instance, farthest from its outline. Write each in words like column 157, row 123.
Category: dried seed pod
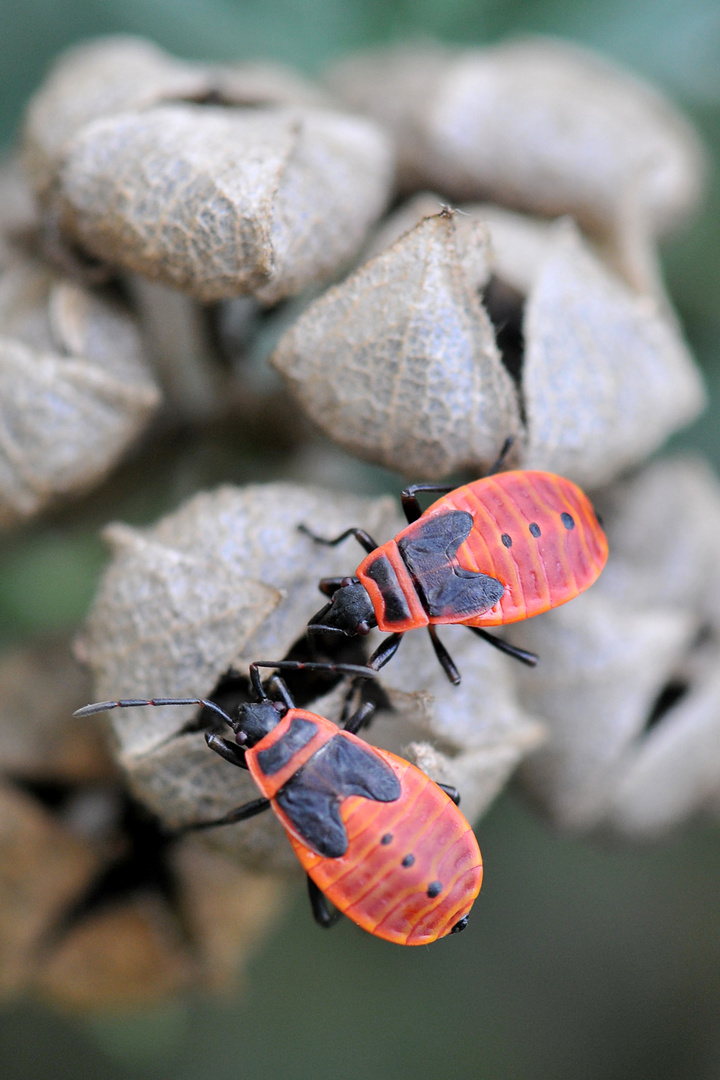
column 95, row 79
column 114, row 74
column 673, row 772
column 75, row 388
column 399, row 364
column 537, row 124
column 68, row 831
column 606, row 378
column 222, row 202
column 184, row 616
column 628, row 685
column 663, row 526
column 603, row 667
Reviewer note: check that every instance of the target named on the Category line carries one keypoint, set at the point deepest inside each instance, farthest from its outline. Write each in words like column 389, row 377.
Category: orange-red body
column 536, row 533
column 398, row 851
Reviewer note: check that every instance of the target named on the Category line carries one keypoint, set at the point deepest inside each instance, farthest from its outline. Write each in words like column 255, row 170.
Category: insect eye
column 240, row 737
column 346, row 581
column 362, row 628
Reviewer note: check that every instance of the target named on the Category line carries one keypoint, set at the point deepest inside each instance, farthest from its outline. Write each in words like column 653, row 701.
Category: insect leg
column 409, row 498
column 359, row 718
column 321, row 911
column 451, row 792
column 282, row 689
column 230, row 751
column 504, row 451
column 446, row 661
column 529, row 658
column 384, row 652
column 363, row 538
column 240, row 813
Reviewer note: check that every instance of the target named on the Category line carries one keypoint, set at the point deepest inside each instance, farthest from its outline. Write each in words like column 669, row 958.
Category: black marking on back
column 408, row 861
column 311, row 798
column 534, row 529
column 443, row 586
column 567, row 520
column 279, row 754
column 434, row 889
column 382, row 573
column 387, row 838
column 507, row 540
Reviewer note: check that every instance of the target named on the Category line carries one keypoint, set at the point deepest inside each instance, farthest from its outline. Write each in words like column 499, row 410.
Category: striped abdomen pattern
column 535, row 532
column 410, row 867
column 413, row 867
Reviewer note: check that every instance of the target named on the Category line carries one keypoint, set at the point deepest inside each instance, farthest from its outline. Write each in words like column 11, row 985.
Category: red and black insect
column 495, row 551
column 387, row 846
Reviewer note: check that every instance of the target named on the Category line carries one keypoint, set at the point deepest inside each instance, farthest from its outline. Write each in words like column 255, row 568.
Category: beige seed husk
column 399, row 364
column 649, row 623
column 537, row 124
column 606, row 376
column 223, row 202
column 74, row 387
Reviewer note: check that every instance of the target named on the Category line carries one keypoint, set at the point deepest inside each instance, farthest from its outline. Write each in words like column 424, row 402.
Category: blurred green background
column 580, row 962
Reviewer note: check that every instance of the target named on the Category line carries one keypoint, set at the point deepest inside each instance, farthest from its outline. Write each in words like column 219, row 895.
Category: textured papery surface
column 606, row 377
column 470, row 235
column 74, row 388
column 221, row 202
column 399, row 364
column 628, row 682
column 114, row 74
column 538, row 124
column 97, row 79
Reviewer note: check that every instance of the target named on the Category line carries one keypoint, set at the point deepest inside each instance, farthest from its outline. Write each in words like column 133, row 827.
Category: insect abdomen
column 412, row 868
column 535, row 532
